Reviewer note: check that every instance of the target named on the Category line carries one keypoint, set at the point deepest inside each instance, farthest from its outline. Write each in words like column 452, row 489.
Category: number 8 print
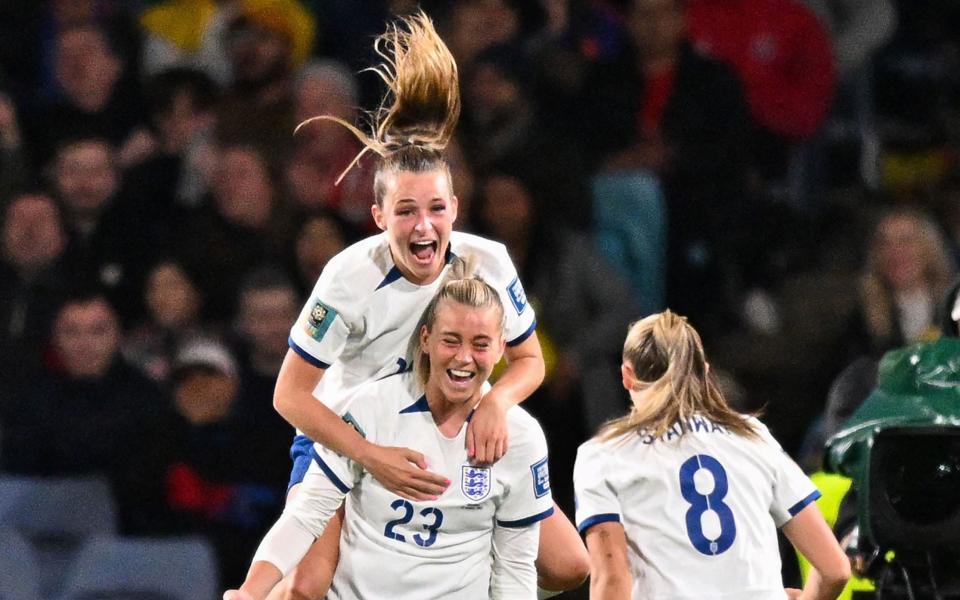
column 701, row 503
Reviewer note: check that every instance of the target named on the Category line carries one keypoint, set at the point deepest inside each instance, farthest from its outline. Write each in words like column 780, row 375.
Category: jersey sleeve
column 792, row 489
column 514, row 574
column 320, row 331
column 502, row 275
column 596, row 499
column 528, row 499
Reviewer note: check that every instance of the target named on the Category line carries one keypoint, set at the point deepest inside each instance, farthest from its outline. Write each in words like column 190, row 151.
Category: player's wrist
column 363, row 453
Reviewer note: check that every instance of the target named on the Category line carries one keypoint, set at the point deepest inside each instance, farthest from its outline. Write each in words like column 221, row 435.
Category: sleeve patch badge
column 319, row 320
column 541, row 477
column 352, row 422
column 517, row 296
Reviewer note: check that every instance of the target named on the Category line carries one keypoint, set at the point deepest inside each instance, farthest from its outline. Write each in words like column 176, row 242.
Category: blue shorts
column 301, row 452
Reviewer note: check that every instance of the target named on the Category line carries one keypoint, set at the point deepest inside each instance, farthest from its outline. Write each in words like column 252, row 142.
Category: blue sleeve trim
column 306, row 355
column 527, row 521
column 793, row 510
column 329, row 473
column 596, row 520
column 523, row 336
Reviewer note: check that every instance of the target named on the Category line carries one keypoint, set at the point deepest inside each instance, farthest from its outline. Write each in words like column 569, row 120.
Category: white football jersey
column 362, row 311
column 395, row 548
column 700, row 510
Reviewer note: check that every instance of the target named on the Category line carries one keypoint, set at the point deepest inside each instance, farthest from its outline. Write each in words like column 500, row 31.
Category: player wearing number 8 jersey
column 681, row 498
column 397, row 548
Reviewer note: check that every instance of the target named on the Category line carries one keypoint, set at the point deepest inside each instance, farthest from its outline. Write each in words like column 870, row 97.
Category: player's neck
column 449, row 416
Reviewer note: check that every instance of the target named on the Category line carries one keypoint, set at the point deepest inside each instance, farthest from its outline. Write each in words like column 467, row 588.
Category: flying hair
column 668, row 362
column 463, row 286
column 421, row 107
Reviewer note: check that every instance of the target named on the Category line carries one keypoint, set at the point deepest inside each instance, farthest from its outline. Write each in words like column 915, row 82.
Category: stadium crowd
column 781, row 171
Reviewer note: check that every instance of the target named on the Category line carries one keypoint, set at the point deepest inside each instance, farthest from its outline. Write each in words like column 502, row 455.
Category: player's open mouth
column 458, row 376
column 423, row 251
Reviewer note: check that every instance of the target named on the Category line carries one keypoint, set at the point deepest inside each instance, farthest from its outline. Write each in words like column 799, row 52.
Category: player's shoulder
column 524, row 429
column 386, row 400
column 491, row 255
column 362, row 266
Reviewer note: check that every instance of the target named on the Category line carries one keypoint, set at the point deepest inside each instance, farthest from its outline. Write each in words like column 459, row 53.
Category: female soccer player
column 682, row 497
column 366, row 303
column 440, row 548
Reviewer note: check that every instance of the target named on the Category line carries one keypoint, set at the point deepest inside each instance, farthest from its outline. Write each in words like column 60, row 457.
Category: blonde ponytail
column 667, row 358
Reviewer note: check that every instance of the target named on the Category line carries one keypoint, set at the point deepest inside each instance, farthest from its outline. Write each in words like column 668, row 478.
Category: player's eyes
column 438, row 208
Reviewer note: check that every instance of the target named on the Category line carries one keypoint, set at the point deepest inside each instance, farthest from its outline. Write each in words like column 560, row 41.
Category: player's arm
column 400, row 470
column 487, row 432
column 609, row 568
column 514, row 552
column 303, row 520
column 812, row 537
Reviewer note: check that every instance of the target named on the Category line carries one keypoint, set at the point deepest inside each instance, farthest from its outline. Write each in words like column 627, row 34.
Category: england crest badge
column 475, row 482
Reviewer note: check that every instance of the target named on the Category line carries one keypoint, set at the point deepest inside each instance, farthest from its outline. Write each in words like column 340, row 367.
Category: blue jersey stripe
column 526, row 521
column 306, row 355
column 329, row 473
column 803, row 503
column 597, row 519
column 523, row 336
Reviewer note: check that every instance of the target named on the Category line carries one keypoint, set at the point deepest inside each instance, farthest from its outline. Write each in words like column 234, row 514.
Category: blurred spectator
column 94, row 101
column 93, row 414
column 474, row 26
column 99, row 220
column 503, row 126
column 173, row 304
column 783, row 56
column 582, row 304
column 268, row 303
column 906, row 273
column 267, row 41
column 664, row 108
column 217, row 483
column 31, row 280
column 320, row 237
column 188, row 34
column 242, row 224
column 178, row 170
column 322, row 150
column 14, row 170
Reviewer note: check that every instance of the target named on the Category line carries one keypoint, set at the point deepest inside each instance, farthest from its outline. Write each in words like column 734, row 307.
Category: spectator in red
column 781, row 52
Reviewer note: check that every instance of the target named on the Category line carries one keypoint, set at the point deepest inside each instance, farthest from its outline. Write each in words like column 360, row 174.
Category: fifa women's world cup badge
column 475, row 482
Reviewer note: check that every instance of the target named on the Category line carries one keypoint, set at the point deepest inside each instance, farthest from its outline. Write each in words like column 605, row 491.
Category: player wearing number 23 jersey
column 681, row 498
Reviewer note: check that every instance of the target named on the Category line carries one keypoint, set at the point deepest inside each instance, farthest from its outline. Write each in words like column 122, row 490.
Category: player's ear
column 627, row 376
column 454, row 208
column 424, row 339
column 378, row 216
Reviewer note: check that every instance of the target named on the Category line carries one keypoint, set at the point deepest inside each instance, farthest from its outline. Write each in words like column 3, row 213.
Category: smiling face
column 417, row 212
column 464, row 345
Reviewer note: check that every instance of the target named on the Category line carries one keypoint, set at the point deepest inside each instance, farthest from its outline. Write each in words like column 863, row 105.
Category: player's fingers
column 500, row 449
column 415, row 493
column 430, row 482
column 471, row 441
column 484, row 453
column 416, row 458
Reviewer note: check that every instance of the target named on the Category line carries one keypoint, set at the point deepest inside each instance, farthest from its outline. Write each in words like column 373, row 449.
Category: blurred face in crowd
column 319, row 240
column 242, row 190
column 479, row 24
column 204, row 395
column 85, row 176
column 87, row 336
column 265, row 317
column 33, row 235
column 172, row 298
column 899, row 248
column 86, row 67
column 418, row 212
column 493, row 95
column 507, row 208
column 178, row 125
column 257, row 54
column 656, row 26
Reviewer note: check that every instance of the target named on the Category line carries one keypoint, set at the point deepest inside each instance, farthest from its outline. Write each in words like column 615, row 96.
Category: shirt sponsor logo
column 475, row 482
column 541, row 477
column 319, row 320
column 517, row 296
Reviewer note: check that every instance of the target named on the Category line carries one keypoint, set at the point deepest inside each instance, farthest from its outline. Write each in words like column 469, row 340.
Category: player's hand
column 792, row 593
column 236, row 595
column 487, row 430
column 404, row 472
